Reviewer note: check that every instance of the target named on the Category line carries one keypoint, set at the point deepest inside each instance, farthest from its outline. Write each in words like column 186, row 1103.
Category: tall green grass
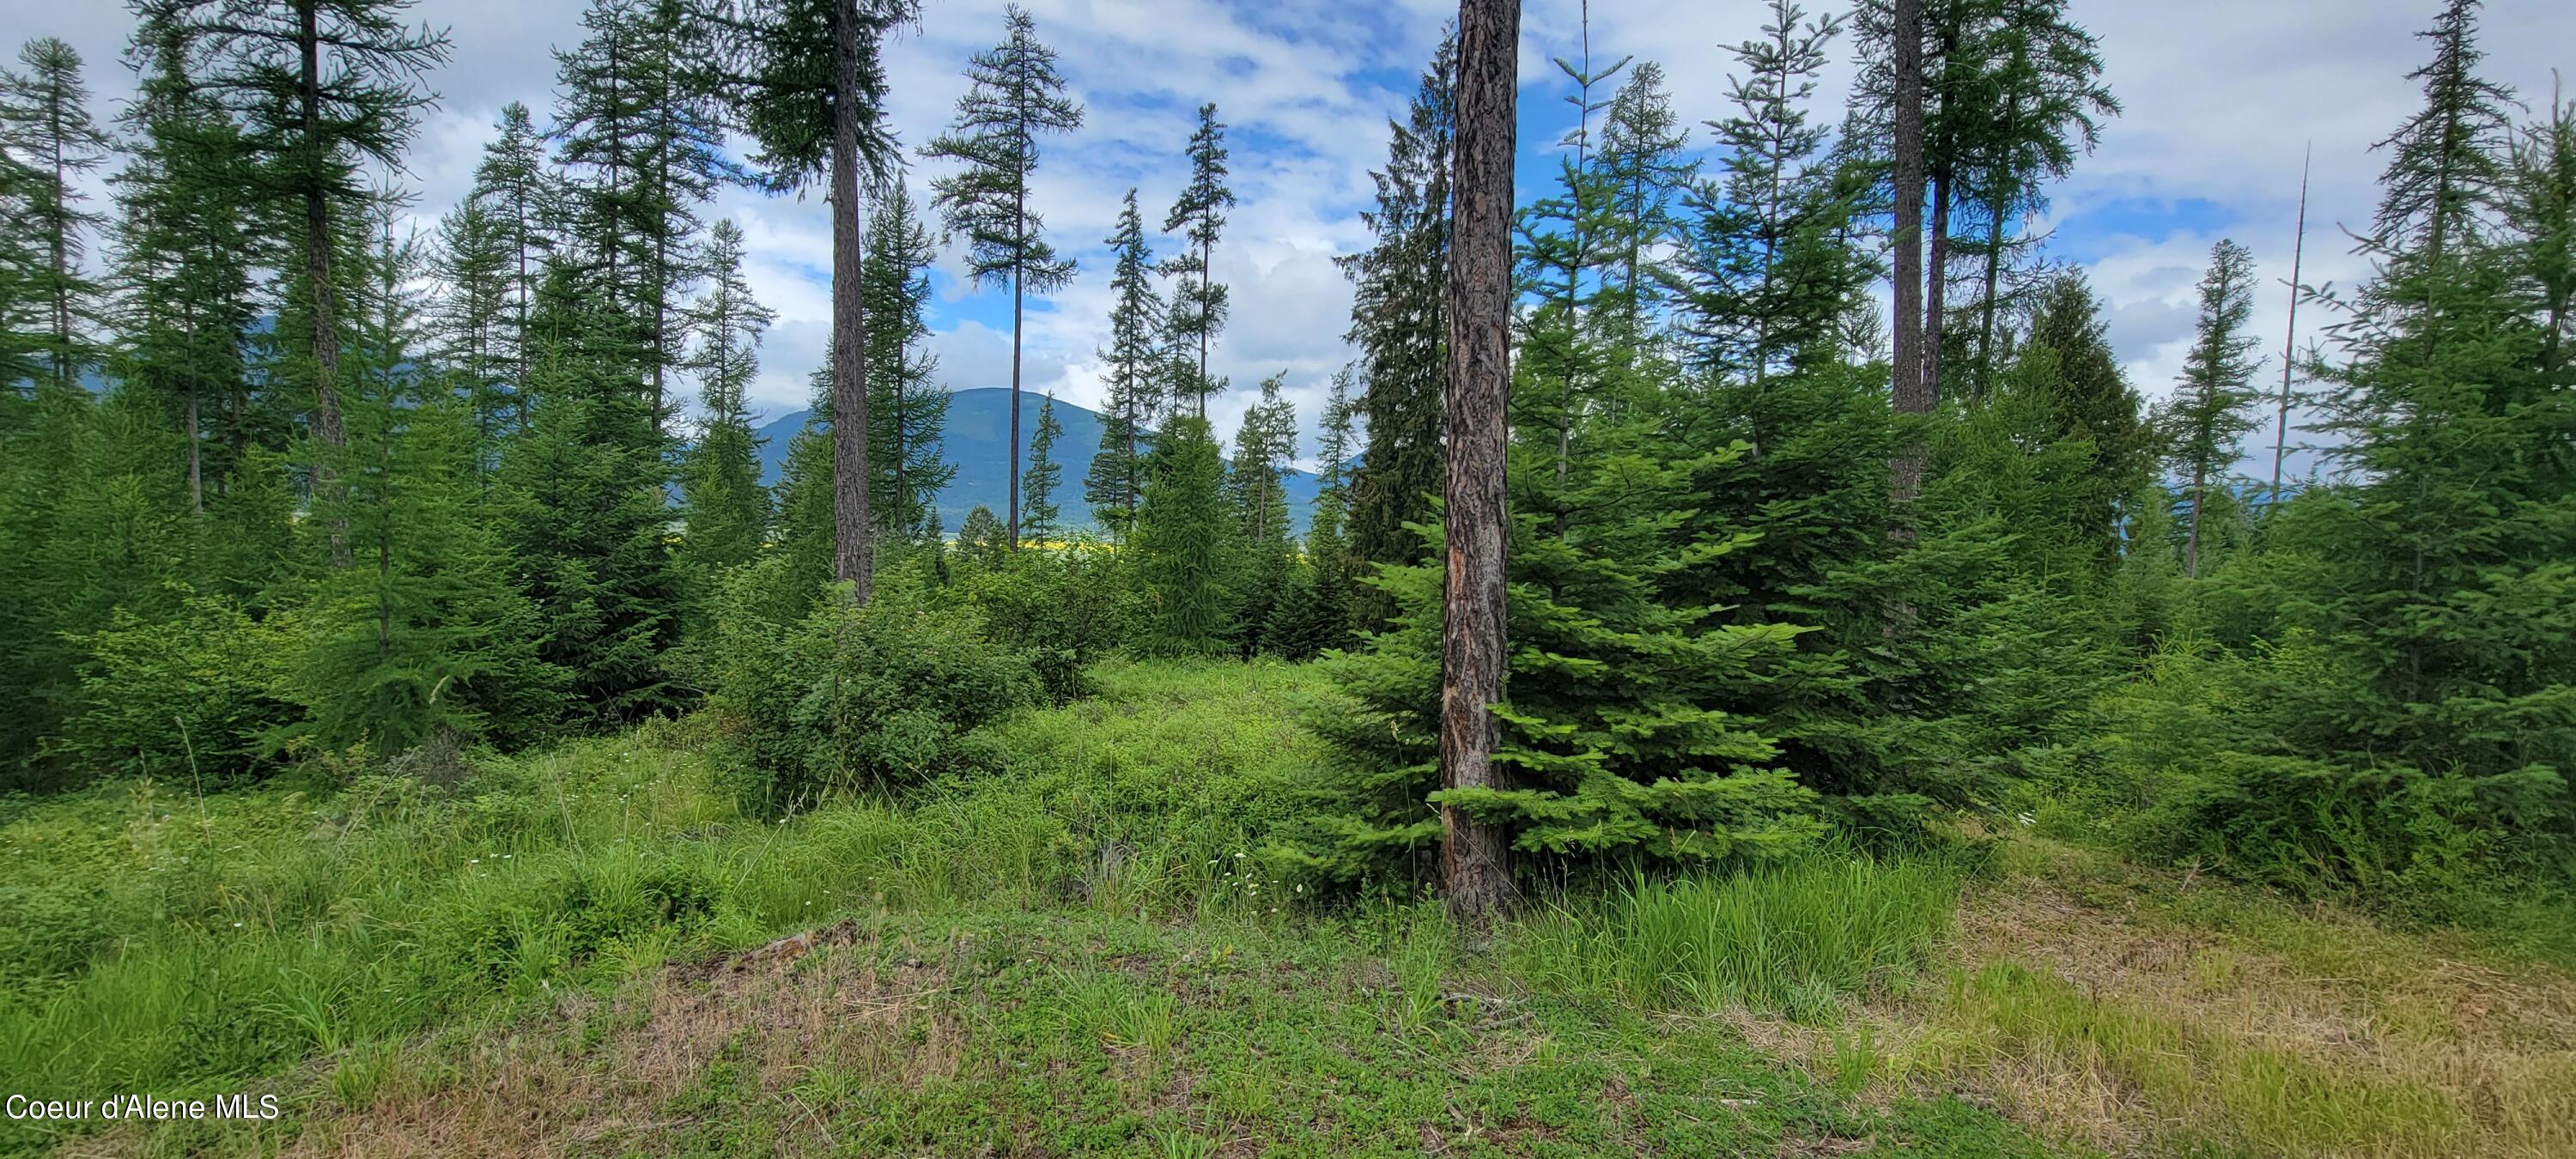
column 1792, row 938
column 152, row 940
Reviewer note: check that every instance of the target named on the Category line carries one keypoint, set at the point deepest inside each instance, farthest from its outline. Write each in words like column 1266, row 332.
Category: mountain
column 978, row 442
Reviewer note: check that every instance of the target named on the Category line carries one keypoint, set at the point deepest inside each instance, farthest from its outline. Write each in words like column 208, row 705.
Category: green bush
column 189, row 697
column 860, row 697
column 1063, row 609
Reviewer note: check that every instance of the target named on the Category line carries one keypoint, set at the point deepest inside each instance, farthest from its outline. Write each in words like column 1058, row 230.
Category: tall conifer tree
column 1014, row 93
column 1198, row 303
column 1133, row 357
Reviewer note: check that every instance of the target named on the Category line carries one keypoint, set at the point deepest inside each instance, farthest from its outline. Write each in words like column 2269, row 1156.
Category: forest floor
column 1012, row 969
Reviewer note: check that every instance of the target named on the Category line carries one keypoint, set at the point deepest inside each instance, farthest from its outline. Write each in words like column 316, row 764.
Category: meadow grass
column 1794, row 937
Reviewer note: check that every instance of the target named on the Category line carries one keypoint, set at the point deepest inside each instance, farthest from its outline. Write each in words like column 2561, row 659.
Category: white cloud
column 2221, row 97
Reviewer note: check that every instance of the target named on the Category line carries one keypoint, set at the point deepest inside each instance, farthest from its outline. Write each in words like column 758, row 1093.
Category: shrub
column 852, row 697
column 202, row 685
column 1063, row 609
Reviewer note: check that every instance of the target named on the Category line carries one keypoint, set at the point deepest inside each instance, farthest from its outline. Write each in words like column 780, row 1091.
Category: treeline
column 1776, row 568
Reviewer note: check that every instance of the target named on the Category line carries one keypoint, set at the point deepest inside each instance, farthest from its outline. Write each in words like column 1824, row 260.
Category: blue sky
column 2221, row 96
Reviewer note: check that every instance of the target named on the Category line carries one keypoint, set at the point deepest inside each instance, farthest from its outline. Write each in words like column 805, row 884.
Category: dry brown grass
column 2103, row 1005
column 603, row 1076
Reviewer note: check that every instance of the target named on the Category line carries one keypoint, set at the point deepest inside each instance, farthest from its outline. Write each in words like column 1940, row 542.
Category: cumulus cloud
column 2222, row 98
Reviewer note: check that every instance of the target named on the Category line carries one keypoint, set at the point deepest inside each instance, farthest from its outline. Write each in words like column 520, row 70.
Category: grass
column 1793, row 938
column 593, row 950
column 2145, row 1011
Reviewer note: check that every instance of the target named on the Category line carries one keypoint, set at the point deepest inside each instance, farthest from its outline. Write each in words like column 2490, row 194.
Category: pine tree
column 1399, row 323
column 1475, row 877
column 46, row 128
column 1198, row 305
column 1117, row 477
column 473, row 265
column 909, row 413
column 1645, row 167
column 1181, row 539
column 424, row 635
column 2213, row 404
column 2089, row 399
column 1747, row 312
column 320, row 87
column 633, row 120
column 584, row 509
column 982, row 538
column 727, row 509
column 1013, row 94
column 184, row 259
column 805, row 80
column 1256, row 488
column 1316, row 615
column 520, row 198
column 1045, row 474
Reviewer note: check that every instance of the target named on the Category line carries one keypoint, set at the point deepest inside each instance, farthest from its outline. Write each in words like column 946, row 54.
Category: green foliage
column 194, row 696
column 1617, row 735
column 1063, row 610
column 907, row 412
column 848, row 697
column 1038, row 510
column 1185, row 537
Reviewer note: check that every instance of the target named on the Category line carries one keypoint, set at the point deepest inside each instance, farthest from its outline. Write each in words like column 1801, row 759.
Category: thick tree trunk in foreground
column 1474, row 873
column 1912, row 395
column 851, row 542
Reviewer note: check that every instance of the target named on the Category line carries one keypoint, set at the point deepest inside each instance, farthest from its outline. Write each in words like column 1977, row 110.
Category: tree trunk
column 1020, row 214
column 1475, row 875
column 196, row 469
column 326, row 333
column 2289, row 340
column 1936, row 280
column 1909, row 393
column 2191, row 538
column 851, row 547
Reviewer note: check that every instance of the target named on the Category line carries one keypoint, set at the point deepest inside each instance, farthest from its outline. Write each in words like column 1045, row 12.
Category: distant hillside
column 978, row 442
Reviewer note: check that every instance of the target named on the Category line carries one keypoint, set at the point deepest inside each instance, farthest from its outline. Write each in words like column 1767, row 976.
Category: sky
column 2221, row 97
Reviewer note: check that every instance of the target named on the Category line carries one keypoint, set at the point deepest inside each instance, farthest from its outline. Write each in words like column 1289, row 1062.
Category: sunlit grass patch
column 1792, row 938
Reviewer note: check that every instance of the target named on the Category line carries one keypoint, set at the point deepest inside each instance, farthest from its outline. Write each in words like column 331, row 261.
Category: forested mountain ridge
column 976, row 442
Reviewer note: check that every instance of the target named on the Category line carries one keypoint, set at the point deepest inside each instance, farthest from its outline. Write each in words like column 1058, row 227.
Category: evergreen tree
column 633, row 121
column 1181, row 539
column 1256, row 486
column 585, row 511
column 1401, row 328
column 1117, row 477
column 474, row 319
column 1045, row 474
column 1198, row 304
column 1645, row 168
column 2088, row 399
column 320, row 87
column 909, row 413
column 1315, row 614
column 804, row 78
column 982, row 538
column 1748, row 313
column 1013, row 94
column 2213, row 404
column 520, row 200
column 727, row 509
column 46, row 129
column 184, row 259
column 425, row 634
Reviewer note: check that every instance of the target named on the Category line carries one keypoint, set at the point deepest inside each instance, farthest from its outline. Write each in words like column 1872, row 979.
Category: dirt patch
column 611, row 1078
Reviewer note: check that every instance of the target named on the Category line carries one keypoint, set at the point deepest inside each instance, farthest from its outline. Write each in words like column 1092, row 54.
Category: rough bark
column 1911, row 395
column 1020, row 216
column 851, row 541
column 1475, row 875
column 327, row 428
